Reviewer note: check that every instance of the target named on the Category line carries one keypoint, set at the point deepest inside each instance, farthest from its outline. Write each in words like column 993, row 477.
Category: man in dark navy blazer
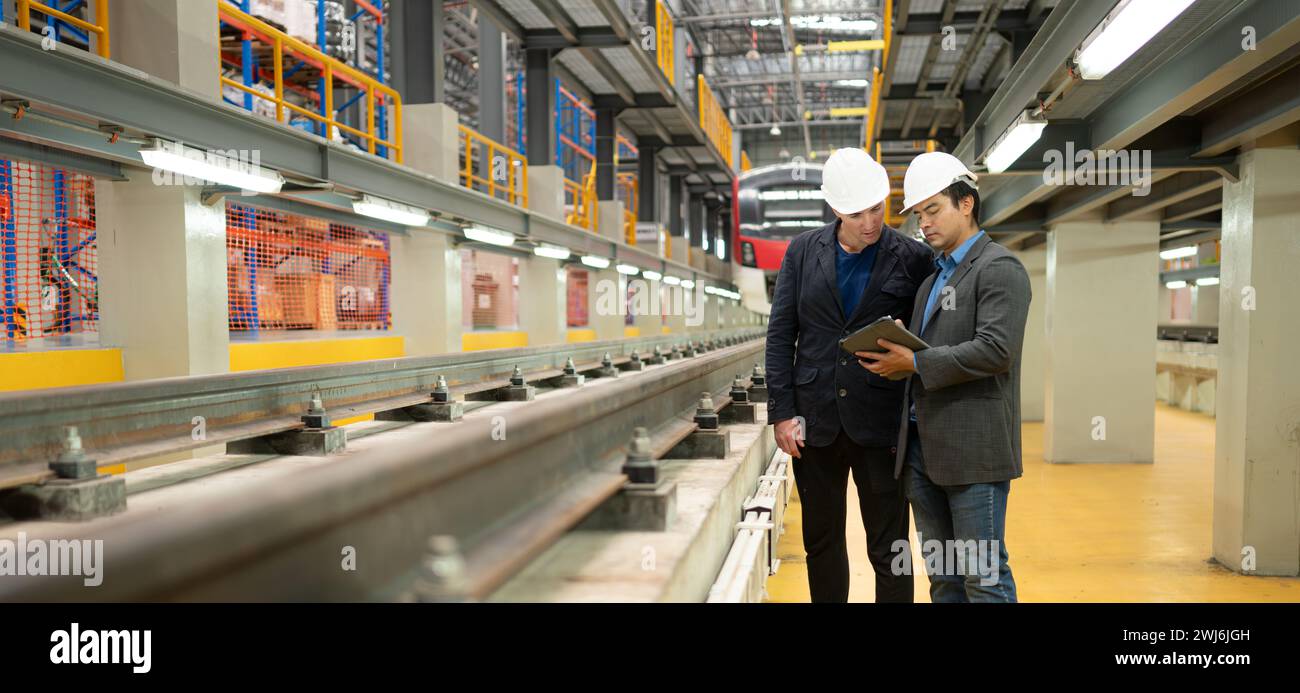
column 830, row 414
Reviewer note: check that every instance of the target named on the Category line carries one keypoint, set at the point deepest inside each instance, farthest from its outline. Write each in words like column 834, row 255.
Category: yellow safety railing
column 745, row 163
column 283, row 45
column 498, row 171
column 630, row 187
column 873, row 106
column 713, row 119
column 583, row 211
column 99, row 27
column 665, row 42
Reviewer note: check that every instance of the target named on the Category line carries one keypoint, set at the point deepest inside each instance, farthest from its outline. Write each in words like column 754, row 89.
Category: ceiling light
column 688, row 283
column 1022, row 134
column 671, row 280
column 388, row 210
column 856, row 83
column 1207, row 281
column 776, row 130
column 210, row 166
column 1175, row 253
column 652, row 275
column 1126, row 29
column 1178, row 284
column 629, row 270
column 552, row 251
column 595, row 261
column 490, row 236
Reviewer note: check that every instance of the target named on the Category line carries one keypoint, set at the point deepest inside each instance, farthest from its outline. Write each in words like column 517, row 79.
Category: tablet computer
column 884, row 328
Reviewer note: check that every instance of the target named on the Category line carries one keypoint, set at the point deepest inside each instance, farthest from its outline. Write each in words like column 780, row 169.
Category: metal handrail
column 377, row 94
column 665, row 40
column 99, row 27
column 714, row 120
column 515, row 186
column 583, row 214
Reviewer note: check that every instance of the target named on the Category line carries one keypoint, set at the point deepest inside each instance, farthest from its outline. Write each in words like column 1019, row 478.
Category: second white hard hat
column 852, row 181
column 929, row 174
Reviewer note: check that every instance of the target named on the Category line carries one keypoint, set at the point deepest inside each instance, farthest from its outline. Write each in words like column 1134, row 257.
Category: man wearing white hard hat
column 830, row 415
column 959, row 442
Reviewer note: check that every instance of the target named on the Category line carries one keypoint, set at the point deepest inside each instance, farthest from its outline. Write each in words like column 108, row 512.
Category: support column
column 416, row 28
column 696, row 231
column 1099, row 402
column 173, row 40
column 540, row 108
column 162, row 278
column 1256, row 496
column 491, row 80
column 1033, row 371
column 647, row 319
column 432, row 140
column 427, row 292
column 543, row 301
column 606, row 146
column 605, row 292
column 676, row 217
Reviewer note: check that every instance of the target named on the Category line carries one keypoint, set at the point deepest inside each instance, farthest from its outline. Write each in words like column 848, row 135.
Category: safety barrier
column 582, row 205
column 665, row 42
column 713, row 119
column 56, row 17
column 498, row 170
column 628, row 185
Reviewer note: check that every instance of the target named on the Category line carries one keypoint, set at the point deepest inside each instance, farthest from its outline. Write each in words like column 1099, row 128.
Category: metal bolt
column 705, row 417
column 316, row 416
column 317, row 405
column 641, row 467
column 441, row 393
column 517, row 377
column 636, row 356
column 739, row 395
column 72, row 462
column 441, row 576
column 569, row 368
column 658, row 351
column 758, row 370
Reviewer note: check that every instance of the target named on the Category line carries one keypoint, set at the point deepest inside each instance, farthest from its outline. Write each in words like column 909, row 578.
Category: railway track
column 488, row 503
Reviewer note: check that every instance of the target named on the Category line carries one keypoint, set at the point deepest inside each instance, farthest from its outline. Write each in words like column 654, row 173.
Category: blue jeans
column 970, row 523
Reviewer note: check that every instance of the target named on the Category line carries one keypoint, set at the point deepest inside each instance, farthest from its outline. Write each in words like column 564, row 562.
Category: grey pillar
column 647, row 182
column 540, row 107
column 676, row 219
column 491, row 80
column 606, row 145
column 416, row 28
column 696, row 206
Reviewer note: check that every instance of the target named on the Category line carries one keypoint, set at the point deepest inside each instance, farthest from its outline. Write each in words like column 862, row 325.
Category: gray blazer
column 967, row 388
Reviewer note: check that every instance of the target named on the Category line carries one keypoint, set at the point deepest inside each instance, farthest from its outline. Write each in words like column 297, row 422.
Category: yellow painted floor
column 1088, row 533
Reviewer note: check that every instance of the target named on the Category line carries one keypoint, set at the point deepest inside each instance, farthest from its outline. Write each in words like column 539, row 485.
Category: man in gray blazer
column 959, row 443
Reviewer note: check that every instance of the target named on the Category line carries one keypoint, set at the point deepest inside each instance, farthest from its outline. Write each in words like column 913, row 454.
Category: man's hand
column 789, row 436
column 897, row 362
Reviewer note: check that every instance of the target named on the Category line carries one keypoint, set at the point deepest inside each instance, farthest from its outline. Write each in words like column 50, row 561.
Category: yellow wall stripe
column 478, row 341
column 581, row 336
column 59, row 368
column 256, row 356
column 631, row 332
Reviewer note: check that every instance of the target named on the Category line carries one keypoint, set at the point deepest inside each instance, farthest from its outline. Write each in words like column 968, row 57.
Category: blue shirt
column 853, row 273
column 947, row 265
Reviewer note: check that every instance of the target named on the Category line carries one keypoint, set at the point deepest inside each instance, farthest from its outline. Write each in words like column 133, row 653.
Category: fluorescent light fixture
column 820, row 22
column 595, row 261
column 671, row 280
column 490, row 236
column 688, row 283
column 1022, row 134
column 629, row 270
column 1175, row 284
column 213, row 167
column 652, row 275
column 1175, row 253
column 791, row 194
column 855, row 83
column 721, row 248
column 1207, row 281
column 775, row 131
column 552, row 251
column 1126, row 29
column 388, row 210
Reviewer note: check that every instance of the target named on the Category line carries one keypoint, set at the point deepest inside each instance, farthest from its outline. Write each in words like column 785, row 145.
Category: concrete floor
column 1089, row 533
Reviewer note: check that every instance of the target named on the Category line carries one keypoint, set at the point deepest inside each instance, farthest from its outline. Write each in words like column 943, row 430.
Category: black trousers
column 821, row 475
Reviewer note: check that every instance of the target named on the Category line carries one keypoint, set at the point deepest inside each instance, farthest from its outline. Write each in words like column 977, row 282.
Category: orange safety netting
column 576, row 291
column 293, row 272
column 48, row 271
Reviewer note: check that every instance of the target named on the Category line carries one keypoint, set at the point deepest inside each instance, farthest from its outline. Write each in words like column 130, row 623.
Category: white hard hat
column 929, row 174
column 852, row 181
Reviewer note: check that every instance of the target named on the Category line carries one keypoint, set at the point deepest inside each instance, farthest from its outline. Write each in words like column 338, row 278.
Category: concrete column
column 1256, row 495
column 543, row 301
column 1033, row 371
column 432, row 140
column 1205, row 305
column 426, row 292
column 609, row 220
column 173, row 40
column 546, row 190
column 605, row 292
column 162, row 278
column 1101, row 351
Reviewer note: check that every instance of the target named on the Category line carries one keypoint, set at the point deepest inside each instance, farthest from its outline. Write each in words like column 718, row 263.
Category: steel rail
column 504, row 499
column 120, row 422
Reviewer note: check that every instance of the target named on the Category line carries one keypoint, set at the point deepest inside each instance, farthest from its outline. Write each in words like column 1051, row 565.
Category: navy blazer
column 808, row 374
